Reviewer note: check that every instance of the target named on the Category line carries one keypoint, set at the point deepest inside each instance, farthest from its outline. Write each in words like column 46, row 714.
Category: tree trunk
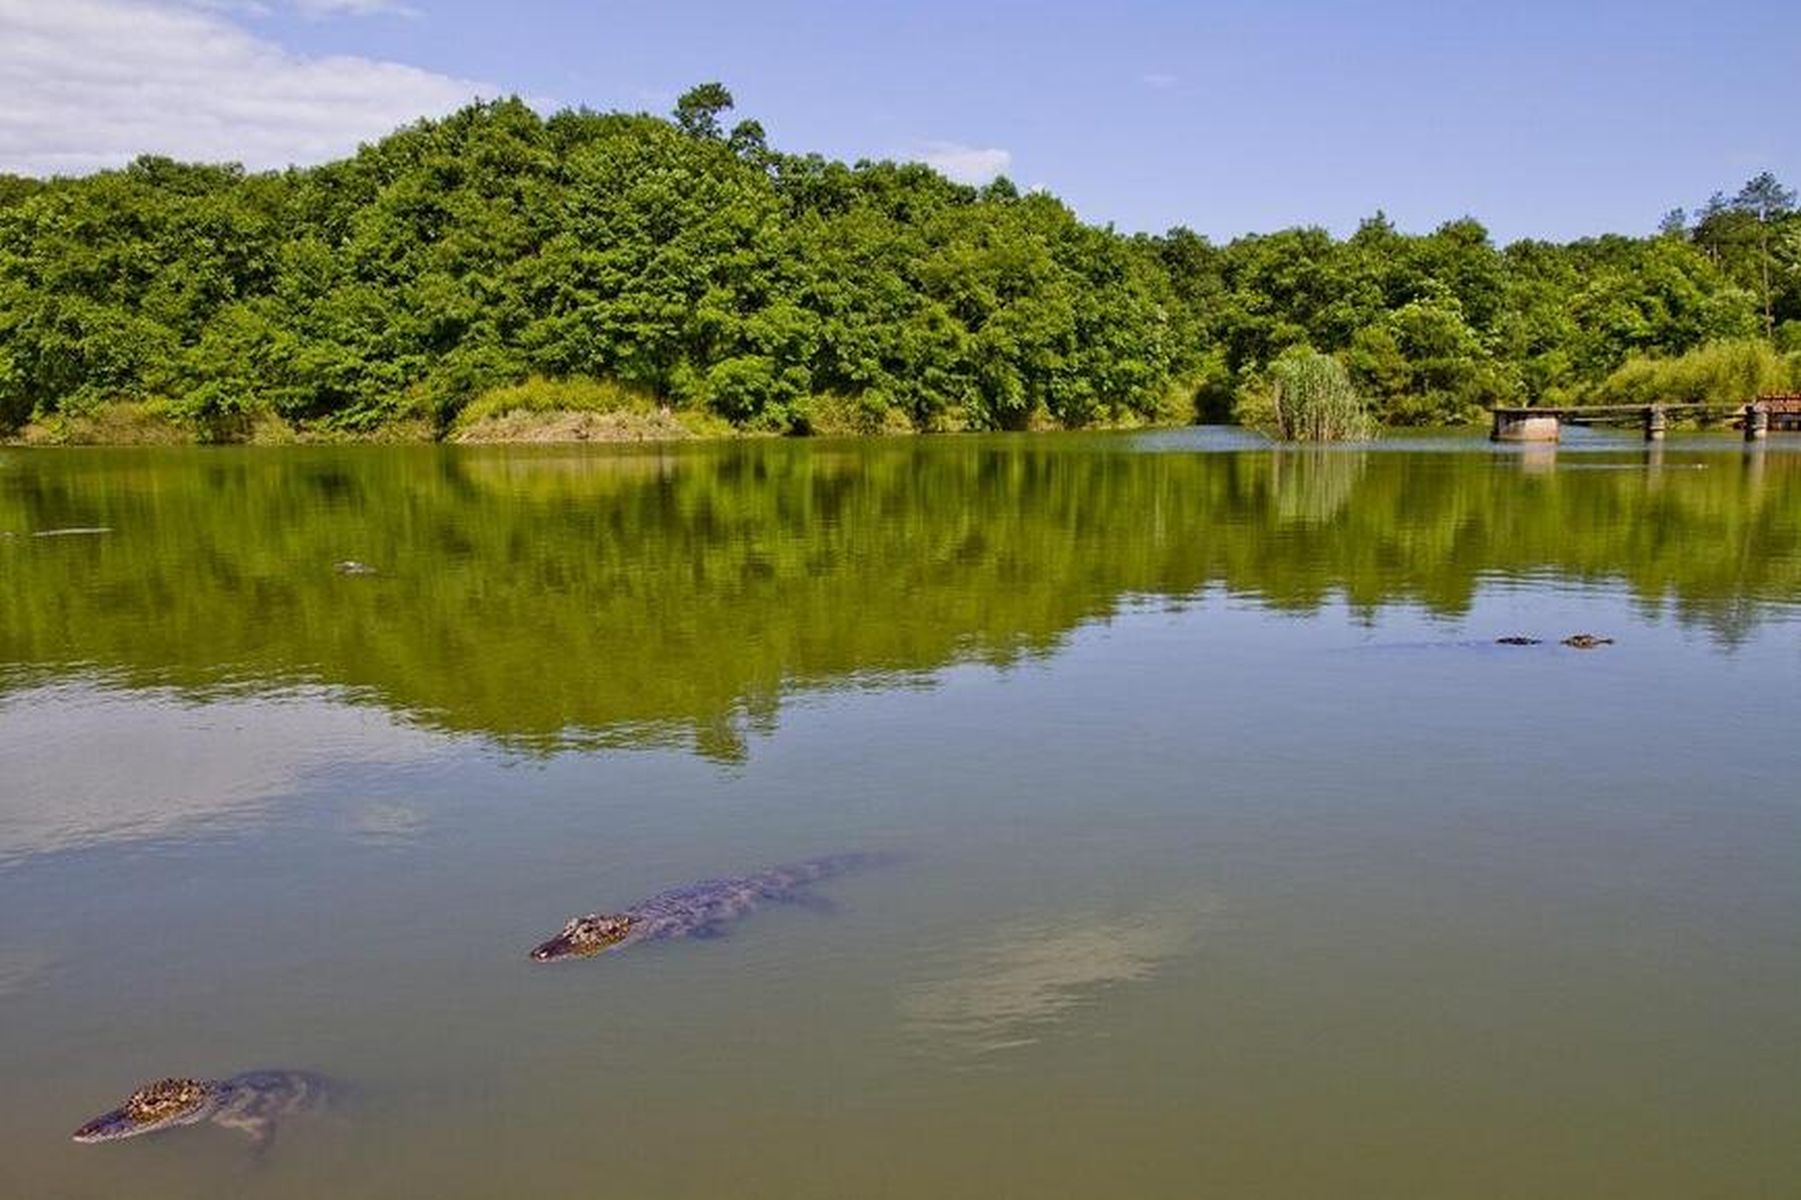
column 1769, row 314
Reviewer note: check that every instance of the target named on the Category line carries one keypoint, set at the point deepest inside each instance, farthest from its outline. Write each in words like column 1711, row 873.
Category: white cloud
column 86, row 84
column 966, row 164
column 1161, row 80
column 355, row 8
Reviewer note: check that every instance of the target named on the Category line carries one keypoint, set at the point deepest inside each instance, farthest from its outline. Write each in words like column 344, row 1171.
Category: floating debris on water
column 351, row 567
column 73, row 531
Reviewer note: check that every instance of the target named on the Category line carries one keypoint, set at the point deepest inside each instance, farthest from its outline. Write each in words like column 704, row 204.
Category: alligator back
column 256, row 1101
column 700, row 909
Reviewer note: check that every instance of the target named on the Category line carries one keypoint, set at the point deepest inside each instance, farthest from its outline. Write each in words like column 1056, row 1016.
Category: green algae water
column 1234, row 856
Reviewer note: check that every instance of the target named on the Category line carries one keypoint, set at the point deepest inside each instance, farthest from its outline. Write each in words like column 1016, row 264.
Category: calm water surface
column 1239, row 861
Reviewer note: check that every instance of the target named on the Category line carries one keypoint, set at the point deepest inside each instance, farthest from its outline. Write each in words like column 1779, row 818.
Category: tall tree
column 1764, row 199
column 698, row 109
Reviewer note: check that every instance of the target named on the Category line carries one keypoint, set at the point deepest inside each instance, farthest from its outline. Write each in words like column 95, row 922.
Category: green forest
column 681, row 274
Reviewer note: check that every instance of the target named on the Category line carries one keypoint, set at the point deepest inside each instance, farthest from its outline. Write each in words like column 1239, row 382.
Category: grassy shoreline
column 571, row 426
column 534, row 411
column 580, row 409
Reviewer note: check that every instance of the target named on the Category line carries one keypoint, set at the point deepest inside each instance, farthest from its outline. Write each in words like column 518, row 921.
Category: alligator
column 1586, row 641
column 251, row 1103
column 699, row 909
column 1517, row 639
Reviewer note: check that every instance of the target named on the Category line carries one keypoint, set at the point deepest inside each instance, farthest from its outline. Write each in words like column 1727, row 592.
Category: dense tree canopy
column 696, row 266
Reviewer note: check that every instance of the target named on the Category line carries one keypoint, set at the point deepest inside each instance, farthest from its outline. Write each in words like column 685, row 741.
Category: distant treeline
column 688, row 267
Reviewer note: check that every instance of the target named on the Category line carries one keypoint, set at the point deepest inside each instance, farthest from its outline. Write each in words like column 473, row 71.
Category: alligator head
column 160, row 1105
column 585, row 936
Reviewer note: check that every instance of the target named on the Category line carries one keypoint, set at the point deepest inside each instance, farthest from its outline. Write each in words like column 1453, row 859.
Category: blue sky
column 1540, row 119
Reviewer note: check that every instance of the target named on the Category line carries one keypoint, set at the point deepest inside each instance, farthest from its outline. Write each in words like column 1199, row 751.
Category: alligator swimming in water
column 251, row 1103
column 1578, row 641
column 699, row 909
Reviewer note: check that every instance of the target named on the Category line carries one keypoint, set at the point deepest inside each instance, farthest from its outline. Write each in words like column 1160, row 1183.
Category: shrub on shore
column 835, row 415
column 1724, row 372
column 122, row 423
column 541, row 409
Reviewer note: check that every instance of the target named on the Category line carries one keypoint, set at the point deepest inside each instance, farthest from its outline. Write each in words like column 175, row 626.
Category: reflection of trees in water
column 1311, row 484
column 634, row 596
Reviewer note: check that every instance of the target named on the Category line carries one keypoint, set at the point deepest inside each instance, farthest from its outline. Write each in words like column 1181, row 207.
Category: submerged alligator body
column 699, row 909
column 252, row 1103
column 1576, row 641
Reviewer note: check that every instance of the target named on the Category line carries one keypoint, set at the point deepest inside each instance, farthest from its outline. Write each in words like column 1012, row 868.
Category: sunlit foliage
column 686, row 261
column 1307, row 397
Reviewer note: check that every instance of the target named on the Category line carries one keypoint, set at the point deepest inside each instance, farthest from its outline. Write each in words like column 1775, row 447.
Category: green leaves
column 697, row 111
column 1312, row 399
column 786, row 292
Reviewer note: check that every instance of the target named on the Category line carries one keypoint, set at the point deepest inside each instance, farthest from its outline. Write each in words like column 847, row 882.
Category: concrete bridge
column 1757, row 419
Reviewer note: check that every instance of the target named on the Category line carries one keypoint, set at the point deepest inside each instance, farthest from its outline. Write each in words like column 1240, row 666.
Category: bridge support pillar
column 1524, row 427
column 1657, row 423
column 1757, row 423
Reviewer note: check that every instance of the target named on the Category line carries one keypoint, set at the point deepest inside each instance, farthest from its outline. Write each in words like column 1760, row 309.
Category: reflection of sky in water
column 88, row 764
column 380, row 821
column 1009, row 992
column 20, row 968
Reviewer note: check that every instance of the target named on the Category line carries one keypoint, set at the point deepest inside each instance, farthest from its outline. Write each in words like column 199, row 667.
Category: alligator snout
column 557, row 947
column 106, row 1127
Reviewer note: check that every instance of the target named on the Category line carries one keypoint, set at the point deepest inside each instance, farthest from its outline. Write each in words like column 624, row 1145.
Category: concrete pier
column 1517, row 426
column 1757, row 423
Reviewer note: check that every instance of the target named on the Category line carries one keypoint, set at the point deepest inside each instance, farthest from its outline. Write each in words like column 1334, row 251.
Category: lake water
column 1238, row 860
